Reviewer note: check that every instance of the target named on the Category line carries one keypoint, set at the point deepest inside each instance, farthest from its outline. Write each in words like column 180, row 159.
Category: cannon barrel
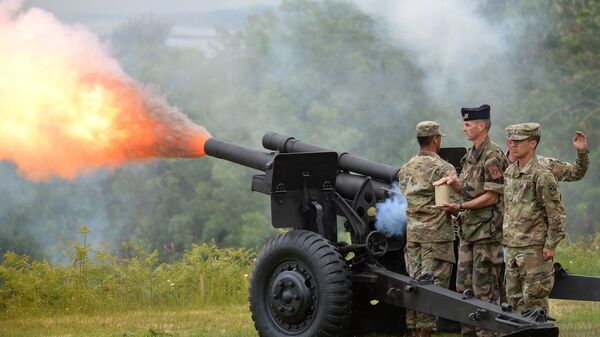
column 347, row 162
column 346, row 184
column 238, row 154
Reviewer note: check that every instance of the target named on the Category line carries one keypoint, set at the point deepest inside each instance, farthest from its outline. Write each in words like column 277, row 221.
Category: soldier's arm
column 569, row 172
column 402, row 180
column 548, row 195
column 563, row 171
column 487, row 199
column 493, row 177
column 493, row 182
column 451, row 179
column 493, row 174
column 448, row 172
column 581, row 164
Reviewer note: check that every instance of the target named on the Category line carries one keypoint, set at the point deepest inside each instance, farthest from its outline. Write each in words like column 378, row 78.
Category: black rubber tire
column 303, row 265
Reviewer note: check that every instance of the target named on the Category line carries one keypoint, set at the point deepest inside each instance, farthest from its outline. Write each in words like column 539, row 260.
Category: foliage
column 324, row 72
column 97, row 280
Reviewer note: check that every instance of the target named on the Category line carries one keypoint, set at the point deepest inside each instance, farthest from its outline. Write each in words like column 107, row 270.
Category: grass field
column 576, row 319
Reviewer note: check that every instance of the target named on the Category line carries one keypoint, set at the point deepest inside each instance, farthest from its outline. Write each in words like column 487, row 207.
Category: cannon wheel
column 300, row 286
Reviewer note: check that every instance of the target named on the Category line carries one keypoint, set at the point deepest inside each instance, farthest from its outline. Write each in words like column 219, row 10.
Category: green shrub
column 99, row 280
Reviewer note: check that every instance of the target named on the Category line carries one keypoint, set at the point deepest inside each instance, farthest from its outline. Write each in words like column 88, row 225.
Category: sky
column 140, row 7
column 193, row 20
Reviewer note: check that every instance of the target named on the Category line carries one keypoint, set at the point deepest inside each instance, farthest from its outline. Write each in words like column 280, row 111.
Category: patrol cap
column 470, row 114
column 428, row 128
column 523, row 131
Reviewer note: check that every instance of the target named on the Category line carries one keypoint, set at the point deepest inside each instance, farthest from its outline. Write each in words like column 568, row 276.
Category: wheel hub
column 293, row 298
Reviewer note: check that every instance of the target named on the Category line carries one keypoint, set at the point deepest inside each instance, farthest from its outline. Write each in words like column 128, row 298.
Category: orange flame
column 66, row 107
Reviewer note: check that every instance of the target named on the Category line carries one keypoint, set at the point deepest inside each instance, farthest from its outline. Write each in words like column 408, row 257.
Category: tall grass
column 581, row 257
column 97, row 280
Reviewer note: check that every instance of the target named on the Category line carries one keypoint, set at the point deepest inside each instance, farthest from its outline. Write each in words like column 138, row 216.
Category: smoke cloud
column 68, row 107
column 391, row 213
column 464, row 55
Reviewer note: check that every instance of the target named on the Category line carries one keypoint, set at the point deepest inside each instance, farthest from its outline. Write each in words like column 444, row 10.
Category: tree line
column 322, row 71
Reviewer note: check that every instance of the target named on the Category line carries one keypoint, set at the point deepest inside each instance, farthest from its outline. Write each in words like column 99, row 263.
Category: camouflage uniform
column 534, row 218
column 430, row 234
column 564, row 171
column 480, row 251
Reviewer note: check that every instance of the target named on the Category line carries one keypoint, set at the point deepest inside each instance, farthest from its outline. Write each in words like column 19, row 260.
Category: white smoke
column 391, row 213
column 463, row 54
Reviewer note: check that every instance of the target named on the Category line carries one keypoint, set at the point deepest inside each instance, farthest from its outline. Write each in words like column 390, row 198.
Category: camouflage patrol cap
column 523, row 131
column 428, row 128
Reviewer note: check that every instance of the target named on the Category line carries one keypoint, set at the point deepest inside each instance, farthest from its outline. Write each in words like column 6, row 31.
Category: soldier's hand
column 547, row 253
column 445, row 181
column 448, row 207
column 580, row 141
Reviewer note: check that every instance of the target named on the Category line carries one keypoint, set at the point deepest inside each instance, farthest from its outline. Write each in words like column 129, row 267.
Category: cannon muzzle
column 255, row 159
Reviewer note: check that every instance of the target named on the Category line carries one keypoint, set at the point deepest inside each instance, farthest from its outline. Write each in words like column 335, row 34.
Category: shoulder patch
column 552, row 190
column 549, row 186
column 495, row 171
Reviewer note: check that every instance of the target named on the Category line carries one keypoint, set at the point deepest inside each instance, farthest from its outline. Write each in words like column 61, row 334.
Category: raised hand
column 580, row 141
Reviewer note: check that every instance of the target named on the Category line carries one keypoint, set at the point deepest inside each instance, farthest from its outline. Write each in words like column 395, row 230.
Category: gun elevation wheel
column 300, row 286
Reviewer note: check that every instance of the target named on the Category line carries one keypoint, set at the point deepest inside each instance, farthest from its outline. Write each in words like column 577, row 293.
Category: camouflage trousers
column 529, row 278
column 479, row 269
column 422, row 257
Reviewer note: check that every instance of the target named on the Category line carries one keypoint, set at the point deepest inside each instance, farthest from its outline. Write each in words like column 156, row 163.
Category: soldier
column 561, row 170
column 534, row 221
column 480, row 185
column 430, row 235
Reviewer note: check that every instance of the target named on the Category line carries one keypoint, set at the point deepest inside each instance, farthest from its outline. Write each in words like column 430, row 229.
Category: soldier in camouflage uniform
column 534, row 221
column 481, row 184
column 429, row 231
column 561, row 170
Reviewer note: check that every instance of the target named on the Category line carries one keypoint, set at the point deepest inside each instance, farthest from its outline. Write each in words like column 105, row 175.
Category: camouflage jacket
column 564, row 171
column 534, row 213
column 482, row 171
column 425, row 224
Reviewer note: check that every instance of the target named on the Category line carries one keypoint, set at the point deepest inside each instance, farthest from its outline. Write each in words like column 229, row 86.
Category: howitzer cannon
column 308, row 283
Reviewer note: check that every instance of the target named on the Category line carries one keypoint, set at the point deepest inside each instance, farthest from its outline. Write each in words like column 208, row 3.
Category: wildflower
column 245, row 275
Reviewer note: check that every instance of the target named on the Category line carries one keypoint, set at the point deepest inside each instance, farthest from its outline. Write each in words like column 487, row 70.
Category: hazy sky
column 137, row 7
column 193, row 20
